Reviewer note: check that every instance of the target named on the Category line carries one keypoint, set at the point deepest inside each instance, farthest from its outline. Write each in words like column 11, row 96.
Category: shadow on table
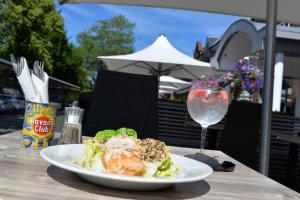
column 179, row 191
column 226, row 166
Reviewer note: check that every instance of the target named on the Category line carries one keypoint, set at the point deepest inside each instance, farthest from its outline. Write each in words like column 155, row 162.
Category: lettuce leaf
column 92, row 151
column 127, row 131
column 105, row 134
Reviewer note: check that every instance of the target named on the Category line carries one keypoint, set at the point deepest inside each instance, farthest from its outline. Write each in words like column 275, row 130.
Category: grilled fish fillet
column 123, row 161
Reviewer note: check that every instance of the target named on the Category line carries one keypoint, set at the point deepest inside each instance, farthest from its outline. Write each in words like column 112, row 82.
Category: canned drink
column 39, row 125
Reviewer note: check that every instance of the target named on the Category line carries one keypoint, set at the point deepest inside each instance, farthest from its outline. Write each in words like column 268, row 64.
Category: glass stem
column 203, row 137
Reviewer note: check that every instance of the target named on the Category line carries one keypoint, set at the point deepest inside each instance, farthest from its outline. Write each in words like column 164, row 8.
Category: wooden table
column 24, row 175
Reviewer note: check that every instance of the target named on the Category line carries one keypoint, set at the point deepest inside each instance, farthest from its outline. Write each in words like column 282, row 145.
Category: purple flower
column 229, row 75
column 208, row 82
column 259, row 83
column 246, row 76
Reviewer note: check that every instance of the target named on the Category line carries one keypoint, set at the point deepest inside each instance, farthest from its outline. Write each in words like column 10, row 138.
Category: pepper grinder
column 72, row 128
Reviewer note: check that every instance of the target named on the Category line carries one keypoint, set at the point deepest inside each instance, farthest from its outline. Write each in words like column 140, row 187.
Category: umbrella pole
column 158, row 79
column 268, row 86
column 158, row 74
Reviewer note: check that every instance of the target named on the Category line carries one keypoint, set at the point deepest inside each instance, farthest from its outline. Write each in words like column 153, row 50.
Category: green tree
column 70, row 67
column 106, row 37
column 35, row 30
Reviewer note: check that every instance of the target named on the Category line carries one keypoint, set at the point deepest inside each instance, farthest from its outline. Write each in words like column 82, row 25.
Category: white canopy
column 173, row 83
column 167, row 87
column 164, row 91
column 288, row 10
column 160, row 58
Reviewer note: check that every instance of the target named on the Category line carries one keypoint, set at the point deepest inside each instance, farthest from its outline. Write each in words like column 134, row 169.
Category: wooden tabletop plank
column 25, row 175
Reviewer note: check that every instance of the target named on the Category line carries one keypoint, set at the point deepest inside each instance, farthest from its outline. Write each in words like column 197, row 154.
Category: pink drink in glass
column 207, row 107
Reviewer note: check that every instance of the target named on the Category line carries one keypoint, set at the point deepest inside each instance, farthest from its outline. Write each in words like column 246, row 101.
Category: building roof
column 284, row 31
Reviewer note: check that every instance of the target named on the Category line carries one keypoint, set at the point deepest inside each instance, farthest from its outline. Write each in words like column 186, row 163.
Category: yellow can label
column 39, row 125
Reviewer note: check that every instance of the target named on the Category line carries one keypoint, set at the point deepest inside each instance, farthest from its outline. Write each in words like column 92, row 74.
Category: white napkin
column 27, row 84
column 41, row 87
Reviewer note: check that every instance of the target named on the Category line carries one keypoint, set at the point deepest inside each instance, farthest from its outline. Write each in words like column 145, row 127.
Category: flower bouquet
column 246, row 77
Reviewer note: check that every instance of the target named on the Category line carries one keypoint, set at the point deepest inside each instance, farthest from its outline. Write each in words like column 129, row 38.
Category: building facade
column 246, row 37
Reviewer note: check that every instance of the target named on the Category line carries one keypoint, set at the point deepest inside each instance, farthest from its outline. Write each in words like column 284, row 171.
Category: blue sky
column 182, row 28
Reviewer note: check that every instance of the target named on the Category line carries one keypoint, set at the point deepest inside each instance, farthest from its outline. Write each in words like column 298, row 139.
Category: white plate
column 63, row 156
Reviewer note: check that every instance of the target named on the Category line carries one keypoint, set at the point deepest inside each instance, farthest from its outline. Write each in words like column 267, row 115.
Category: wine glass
column 207, row 104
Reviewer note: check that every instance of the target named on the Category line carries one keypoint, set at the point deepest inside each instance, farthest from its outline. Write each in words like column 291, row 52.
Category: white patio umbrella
column 164, row 91
column 272, row 11
column 160, row 58
column 167, row 87
column 173, row 82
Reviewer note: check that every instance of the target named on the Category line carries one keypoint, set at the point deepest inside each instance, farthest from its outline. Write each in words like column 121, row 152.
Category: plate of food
column 116, row 158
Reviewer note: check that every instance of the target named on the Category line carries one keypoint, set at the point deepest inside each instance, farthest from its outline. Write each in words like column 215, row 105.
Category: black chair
column 123, row 100
column 241, row 132
column 84, row 101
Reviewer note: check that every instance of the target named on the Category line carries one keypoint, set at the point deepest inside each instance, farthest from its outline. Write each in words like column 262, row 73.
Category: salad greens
column 166, row 164
column 173, row 171
column 167, row 169
column 127, row 131
column 92, row 151
column 107, row 134
column 94, row 146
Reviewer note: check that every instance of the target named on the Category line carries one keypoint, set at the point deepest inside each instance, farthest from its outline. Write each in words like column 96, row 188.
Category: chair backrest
column 241, row 132
column 123, row 100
